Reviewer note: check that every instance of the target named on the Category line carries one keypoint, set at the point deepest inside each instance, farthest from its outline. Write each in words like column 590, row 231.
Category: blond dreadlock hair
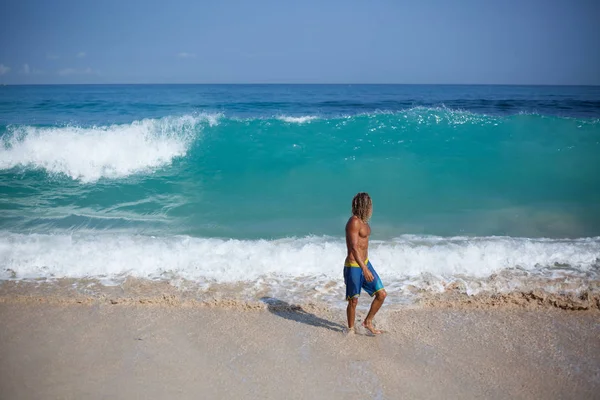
column 361, row 206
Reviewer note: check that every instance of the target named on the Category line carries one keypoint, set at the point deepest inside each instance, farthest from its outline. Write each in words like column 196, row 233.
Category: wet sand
column 96, row 349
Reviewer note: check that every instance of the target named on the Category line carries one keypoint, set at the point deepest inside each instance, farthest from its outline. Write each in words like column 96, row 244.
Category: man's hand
column 368, row 275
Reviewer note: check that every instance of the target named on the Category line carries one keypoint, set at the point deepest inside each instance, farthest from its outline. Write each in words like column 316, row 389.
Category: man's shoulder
column 354, row 222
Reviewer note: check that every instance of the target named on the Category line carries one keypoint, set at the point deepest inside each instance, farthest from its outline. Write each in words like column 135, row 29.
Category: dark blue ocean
column 252, row 184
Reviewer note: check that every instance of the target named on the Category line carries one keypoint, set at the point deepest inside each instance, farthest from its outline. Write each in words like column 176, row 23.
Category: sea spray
column 88, row 154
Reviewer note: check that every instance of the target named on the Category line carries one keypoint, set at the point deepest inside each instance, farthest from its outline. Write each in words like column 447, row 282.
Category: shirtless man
column 358, row 271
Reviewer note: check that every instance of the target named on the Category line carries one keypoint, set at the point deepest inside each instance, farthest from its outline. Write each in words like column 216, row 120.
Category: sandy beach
column 52, row 348
column 195, row 195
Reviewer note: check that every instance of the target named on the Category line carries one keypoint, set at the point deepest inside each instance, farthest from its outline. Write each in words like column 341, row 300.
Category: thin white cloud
column 186, row 55
column 67, row 71
column 52, row 56
column 75, row 71
column 81, row 54
column 4, row 69
column 27, row 70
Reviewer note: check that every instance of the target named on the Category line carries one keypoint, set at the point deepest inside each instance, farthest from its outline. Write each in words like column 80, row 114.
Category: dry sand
column 97, row 350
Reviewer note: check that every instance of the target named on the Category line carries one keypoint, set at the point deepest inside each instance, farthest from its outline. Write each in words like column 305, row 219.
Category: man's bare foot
column 369, row 326
column 350, row 331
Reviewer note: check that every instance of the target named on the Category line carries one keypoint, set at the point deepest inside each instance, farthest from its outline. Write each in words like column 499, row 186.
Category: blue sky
column 188, row 41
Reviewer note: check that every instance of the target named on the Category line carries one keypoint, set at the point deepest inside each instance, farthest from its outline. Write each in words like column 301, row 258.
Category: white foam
column 318, row 260
column 115, row 151
column 481, row 257
column 297, row 120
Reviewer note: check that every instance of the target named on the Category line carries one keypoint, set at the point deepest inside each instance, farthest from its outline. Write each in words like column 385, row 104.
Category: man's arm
column 352, row 231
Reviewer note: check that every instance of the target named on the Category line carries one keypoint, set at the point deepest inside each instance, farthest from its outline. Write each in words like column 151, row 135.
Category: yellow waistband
column 355, row 264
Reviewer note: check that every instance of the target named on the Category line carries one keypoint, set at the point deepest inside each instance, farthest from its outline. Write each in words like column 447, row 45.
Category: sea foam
column 90, row 153
column 312, row 265
column 297, row 120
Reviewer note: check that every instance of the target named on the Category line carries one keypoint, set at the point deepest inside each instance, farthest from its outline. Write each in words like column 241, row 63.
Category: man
column 358, row 271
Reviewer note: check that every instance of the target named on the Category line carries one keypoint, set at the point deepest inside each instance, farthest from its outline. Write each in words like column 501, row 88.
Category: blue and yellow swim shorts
column 355, row 280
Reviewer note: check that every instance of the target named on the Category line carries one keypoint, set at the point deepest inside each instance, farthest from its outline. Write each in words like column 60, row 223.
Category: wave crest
column 88, row 154
column 297, row 120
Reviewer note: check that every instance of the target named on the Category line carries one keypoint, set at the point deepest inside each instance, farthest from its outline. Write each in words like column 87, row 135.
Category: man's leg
column 351, row 311
column 375, row 306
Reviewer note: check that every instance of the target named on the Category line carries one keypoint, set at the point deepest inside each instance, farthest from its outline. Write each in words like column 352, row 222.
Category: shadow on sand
column 296, row 313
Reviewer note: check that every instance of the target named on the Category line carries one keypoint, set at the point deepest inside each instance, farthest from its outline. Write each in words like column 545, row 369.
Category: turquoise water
column 85, row 169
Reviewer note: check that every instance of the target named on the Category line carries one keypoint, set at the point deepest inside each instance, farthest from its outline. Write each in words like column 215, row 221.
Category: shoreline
column 135, row 291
